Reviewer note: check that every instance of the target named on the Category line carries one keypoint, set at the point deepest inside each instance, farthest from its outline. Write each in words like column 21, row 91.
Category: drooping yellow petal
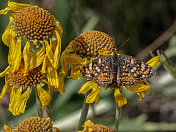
column 37, row 58
column 57, row 50
column 44, row 65
column 2, row 74
column 75, row 72
column 61, row 85
column 50, row 54
column 93, row 96
column 44, row 96
column 3, row 92
column 14, row 57
column 88, row 86
column 17, row 55
column 14, row 7
column 6, row 36
column 55, row 83
column 154, row 61
column 18, row 101
column 142, row 94
column 140, row 86
column 26, row 56
column 58, row 27
column 65, row 63
column 120, row 99
column 7, row 129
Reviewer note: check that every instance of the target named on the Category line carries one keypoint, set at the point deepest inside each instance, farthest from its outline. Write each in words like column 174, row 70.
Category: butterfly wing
column 124, row 76
column 99, row 70
column 138, row 69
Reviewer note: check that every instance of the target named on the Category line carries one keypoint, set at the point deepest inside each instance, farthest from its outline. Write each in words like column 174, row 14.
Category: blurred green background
column 143, row 21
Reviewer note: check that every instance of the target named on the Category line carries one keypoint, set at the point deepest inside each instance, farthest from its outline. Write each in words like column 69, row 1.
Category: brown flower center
column 34, row 76
column 90, row 43
column 100, row 128
column 34, row 124
column 33, row 23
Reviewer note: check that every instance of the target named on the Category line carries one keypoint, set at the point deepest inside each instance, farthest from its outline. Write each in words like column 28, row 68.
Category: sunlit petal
column 142, row 94
column 44, row 96
column 88, row 86
column 93, row 96
column 140, row 86
column 154, row 61
column 18, row 101
column 120, row 99
column 2, row 74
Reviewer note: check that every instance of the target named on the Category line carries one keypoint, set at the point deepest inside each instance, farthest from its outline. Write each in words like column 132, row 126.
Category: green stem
column 43, row 113
column 118, row 115
column 118, row 118
column 39, row 105
column 84, row 113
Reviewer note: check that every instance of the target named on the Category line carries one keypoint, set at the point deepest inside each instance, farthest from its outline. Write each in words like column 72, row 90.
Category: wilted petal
column 2, row 74
column 6, row 37
column 57, row 25
column 36, row 59
column 3, row 92
column 26, row 56
column 120, row 99
column 44, row 96
column 57, row 50
column 18, row 101
column 142, row 94
column 93, row 96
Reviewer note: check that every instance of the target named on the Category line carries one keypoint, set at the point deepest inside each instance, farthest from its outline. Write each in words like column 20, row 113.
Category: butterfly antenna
column 123, row 43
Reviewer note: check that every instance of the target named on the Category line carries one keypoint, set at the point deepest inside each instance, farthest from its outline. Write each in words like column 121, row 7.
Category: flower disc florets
column 33, row 23
column 100, row 128
column 91, row 42
column 34, row 124
column 33, row 77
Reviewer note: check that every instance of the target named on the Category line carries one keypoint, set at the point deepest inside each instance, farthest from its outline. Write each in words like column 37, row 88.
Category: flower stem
column 39, row 105
column 43, row 113
column 118, row 115
column 84, row 113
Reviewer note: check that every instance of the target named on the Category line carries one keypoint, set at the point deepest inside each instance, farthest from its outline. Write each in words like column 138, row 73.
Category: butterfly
column 116, row 70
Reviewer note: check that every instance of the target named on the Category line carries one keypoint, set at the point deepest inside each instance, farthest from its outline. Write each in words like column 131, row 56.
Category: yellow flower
column 34, row 30
column 140, row 88
column 33, row 124
column 19, row 84
column 83, row 49
column 91, row 127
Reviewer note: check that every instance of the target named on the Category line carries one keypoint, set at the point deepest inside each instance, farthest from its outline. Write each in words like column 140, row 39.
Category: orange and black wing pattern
column 99, row 70
column 133, row 70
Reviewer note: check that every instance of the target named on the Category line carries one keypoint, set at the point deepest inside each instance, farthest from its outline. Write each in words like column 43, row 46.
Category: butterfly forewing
column 99, row 70
column 138, row 69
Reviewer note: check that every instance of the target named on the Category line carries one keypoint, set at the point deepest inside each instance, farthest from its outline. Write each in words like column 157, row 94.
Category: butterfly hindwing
column 124, row 76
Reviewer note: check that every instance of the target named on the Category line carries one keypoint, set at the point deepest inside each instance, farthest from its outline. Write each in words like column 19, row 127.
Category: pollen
column 90, row 43
column 33, row 23
column 33, row 77
column 100, row 128
column 34, row 124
